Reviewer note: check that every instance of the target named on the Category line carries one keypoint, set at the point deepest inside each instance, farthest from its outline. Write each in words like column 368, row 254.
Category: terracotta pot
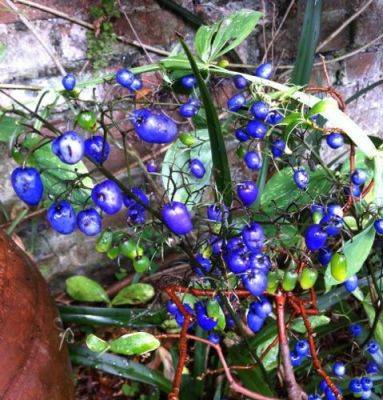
column 34, row 364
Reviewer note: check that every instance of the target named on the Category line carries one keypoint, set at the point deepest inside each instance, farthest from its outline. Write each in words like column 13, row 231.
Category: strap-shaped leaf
column 221, row 169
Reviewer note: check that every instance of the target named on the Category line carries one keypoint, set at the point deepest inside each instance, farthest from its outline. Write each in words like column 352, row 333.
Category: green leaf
column 281, row 192
column 119, row 366
column 56, row 174
column 136, row 293
column 134, row 344
column 315, row 321
column 356, row 251
column 286, row 235
column 179, row 183
column 213, row 41
column 81, row 288
column 270, row 361
column 370, row 311
column 101, row 316
column 221, row 170
column 96, row 344
column 322, row 106
column 307, row 43
column 9, row 128
column 215, row 312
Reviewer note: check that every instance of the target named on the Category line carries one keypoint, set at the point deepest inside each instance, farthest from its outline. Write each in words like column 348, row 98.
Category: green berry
column 87, row 120
column 339, row 267
column 141, row 264
column 308, row 278
column 289, row 281
column 104, row 242
column 187, row 139
column 317, row 216
column 272, row 282
column 113, row 252
column 130, row 249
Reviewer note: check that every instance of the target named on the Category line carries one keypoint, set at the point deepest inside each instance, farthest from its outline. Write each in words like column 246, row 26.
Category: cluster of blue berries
column 300, row 353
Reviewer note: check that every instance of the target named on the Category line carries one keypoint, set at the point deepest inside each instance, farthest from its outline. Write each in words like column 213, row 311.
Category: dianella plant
column 280, row 246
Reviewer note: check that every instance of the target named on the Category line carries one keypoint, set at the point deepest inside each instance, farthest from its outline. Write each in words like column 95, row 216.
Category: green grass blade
column 119, row 366
column 221, row 169
column 307, row 43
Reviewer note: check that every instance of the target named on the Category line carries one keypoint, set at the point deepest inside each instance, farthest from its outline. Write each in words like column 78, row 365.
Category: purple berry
column 296, row 359
column 237, row 262
column 69, row 82
column 355, row 330
column 274, row 117
column 89, row 222
column 69, row 147
column 124, row 77
column 359, row 177
column 97, row 149
column 315, row 237
column 278, row 148
column 254, row 237
column 302, row 348
column 256, row 129
column 151, row 166
column 189, row 81
column 196, row 168
column 263, row 308
column 378, row 225
column 264, row 71
column 27, row 184
column 240, row 82
column 255, row 281
column 301, row 178
column 177, row 218
column 62, row 217
column 253, row 160
column 241, row 135
column 339, row 369
column 335, row 140
column 247, row 192
column 214, row 338
column 236, row 102
column 107, row 195
column 259, row 110
column 351, row 283
column 254, row 322
column 261, row 262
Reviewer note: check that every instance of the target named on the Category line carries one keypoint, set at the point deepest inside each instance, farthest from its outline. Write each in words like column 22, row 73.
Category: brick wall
column 27, row 63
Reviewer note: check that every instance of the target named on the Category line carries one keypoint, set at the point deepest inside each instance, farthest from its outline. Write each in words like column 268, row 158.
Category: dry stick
column 294, row 391
column 89, row 26
column 30, row 26
column 234, row 385
column 343, row 26
column 317, row 364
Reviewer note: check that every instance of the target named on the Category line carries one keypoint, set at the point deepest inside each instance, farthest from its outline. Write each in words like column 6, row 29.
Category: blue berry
column 335, row 140
column 247, row 192
column 205, row 265
column 366, row 394
column 255, row 281
column 254, row 322
column 27, row 184
column 316, row 208
column 236, row 102
column 260, row 261
column 335, row 209
column 136, row 85
column 314, row 397
column 177, row 218
column 254, row 237
column 315, row 237
column 378, row 225
column 355, row 386
column 171, row 307
column 253, row 160
column 278, row 148
column 216, row 212
column 323, row 385
column 359, row 177
column 263, row 308
column 264, row 71
column 68, row 147
column 154, row 126
column 237, row 262
column 130, row 201
column 234, row 244
column 203, row 320
column 69, row 82
column 301, row 178
column 216, row 244
column 151, row 166
column 196, row 168
column 274, row 117
column 97, row 149
column 259, row 110
column 89, row 222
column 302, row 348
column 351, row 283
column 241, row 135
column 372, row 367
column 62, row 217
column 372, row 347
column 339, row 369
column 355, row 330
column 296, row 359
column 353, row 190
column 124, row 77
column 240, row 82
column 256, row 129
column 107, row 195
column 332, row 224
column 367, row 383
column 324, row 256
column 189, row 81
column 330, row 395
column 214, row 338
column 187, row 110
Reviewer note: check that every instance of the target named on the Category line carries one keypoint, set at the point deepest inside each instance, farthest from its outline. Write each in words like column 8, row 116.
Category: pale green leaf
column 136, row 343
column 81, row 288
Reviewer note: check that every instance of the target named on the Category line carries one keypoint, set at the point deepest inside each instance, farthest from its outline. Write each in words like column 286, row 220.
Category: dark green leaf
column 119, row 366
column 315, row 321
column 134, row 344
column 9, row 128
column 307, row 43
column 221, row 170
column 128, row 317
column 82, row 288
column 136, row 293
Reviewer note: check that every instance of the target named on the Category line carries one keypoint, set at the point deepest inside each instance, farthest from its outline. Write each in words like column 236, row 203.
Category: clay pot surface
column 34, row 364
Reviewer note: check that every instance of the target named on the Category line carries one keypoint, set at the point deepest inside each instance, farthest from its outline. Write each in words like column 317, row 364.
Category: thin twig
column 43, row 43
column 343, row 26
